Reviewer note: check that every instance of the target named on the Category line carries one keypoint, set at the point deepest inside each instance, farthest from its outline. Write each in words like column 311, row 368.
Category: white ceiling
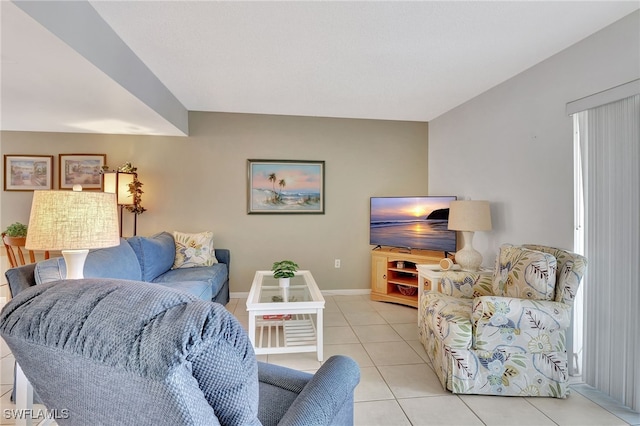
column 373, row 60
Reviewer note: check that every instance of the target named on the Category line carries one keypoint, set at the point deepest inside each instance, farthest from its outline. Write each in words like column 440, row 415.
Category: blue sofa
column 115, row 352
column 146, row 259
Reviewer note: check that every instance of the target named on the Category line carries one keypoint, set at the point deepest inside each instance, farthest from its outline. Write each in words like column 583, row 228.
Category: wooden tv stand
column 386, row 276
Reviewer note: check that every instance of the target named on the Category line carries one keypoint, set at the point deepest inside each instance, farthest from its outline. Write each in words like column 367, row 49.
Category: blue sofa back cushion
column 99, row 264
column 155, row 254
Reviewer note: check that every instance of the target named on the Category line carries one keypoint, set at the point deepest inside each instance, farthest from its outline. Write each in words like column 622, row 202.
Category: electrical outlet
column 337, row 263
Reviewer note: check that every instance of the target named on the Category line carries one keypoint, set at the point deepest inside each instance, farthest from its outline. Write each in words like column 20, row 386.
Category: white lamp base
column 468, row 258
column 74, row 260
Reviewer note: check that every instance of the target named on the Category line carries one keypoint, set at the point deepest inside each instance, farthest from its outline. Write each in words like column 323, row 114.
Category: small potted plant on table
column 15, row 234
column 284, row 270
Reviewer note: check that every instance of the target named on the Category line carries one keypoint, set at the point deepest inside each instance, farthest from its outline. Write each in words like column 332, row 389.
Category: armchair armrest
column 325, row 398
column 520, row 324
column 465, row 285
column 328, row 397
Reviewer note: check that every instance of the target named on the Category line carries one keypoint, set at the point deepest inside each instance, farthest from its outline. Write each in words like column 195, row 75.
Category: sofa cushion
column 200, row 289
column 215, row 276
column 194, row 250
column 99, row 264
column 155, row 254
column 524, row 273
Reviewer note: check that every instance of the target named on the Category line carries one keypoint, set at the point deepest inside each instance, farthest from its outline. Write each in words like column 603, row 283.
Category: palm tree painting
column 300, row 186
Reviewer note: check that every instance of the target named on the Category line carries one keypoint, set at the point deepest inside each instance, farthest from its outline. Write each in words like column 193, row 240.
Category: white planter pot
column 284, row 282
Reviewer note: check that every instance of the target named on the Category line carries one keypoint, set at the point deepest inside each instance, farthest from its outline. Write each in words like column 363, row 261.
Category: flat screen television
column 412, row 223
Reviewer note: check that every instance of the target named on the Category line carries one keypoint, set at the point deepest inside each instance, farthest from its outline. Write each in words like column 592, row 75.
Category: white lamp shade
column 72, row 220
column 469, row 215
column 118, row 183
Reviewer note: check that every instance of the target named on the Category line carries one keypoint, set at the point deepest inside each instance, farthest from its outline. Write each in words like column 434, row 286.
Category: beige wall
column 513, row 145
column 199, row 183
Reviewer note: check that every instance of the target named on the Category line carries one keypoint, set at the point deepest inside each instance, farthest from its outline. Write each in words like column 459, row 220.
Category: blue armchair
column 120, row 352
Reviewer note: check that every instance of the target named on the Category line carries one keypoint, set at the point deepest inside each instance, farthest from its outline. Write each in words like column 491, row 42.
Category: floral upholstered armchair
column 504, row 334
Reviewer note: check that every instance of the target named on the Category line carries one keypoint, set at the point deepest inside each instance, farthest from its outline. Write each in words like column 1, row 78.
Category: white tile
column 575, row 410
column 336, row 335
column 231, row 304
column 379, row 413
column 353, row 350
column 364, row 318
column 355, row 306
column 391, row 353
column 6, row 370
column 4, row 349
column 409, row 315
column 410, row 381
column 5, row 388
column 376, row 333
column 339, row 298
column 608, row 403
column 406, row 331
column 297, row 361
column 388, row 306
column 372, row 386
column 334, row 319
column 518, row 411
column 439, row 410
column 417, row 346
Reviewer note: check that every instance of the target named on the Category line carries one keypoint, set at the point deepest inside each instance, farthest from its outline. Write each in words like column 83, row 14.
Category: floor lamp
column 119, row 183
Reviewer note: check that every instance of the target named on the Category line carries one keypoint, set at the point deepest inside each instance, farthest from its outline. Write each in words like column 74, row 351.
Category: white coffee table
column 285, row 320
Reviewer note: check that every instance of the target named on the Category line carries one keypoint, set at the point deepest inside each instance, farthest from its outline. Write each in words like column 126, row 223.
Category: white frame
column 315, row 306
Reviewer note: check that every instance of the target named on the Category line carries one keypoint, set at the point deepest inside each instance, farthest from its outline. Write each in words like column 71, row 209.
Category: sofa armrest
column 20, row 278
column 465, row 285
column 521, row 324
column 223, row 256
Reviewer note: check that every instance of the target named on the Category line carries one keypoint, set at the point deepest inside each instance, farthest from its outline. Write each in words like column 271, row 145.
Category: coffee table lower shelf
column 279, row 336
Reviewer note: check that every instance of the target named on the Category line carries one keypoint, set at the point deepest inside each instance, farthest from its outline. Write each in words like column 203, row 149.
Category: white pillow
column 193, row 250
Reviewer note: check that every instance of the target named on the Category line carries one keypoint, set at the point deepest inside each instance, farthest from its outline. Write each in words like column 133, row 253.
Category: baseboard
column 336, row 292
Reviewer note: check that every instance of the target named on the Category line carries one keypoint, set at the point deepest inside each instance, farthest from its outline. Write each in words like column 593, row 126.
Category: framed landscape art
column 28, row 172
column 83, row 169
column 285, row 186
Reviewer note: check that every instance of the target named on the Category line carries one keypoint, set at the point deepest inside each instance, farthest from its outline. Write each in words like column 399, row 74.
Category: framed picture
column 28, row 172
column 83, row 169
column 285, row 186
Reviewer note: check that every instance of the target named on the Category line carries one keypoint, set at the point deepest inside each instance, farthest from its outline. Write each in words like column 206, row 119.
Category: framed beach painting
column 285, row 186
column 28, row 172
column 83, row 169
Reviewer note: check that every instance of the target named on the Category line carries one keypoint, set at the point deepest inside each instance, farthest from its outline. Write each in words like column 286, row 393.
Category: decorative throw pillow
column 193, row 250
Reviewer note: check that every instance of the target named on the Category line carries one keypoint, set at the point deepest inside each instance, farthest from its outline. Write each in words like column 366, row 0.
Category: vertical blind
column 609, row 137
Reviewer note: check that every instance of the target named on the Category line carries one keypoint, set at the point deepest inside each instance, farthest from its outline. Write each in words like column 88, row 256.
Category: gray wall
column 513, row 145
column 199, row 183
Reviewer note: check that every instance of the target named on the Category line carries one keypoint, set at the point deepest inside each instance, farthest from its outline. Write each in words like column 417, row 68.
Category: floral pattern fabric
column 498, row 345
column 194, row 250
column 524, row 273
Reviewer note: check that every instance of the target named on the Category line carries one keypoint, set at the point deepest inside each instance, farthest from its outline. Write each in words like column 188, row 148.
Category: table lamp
column 73, row 222
column 469, row 216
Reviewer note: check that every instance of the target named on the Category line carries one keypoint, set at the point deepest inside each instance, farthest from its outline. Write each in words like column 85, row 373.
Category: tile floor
column 398, row 386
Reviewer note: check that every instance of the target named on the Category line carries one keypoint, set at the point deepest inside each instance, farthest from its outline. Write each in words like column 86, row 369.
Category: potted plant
column 15, row 234
column 284, row 270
